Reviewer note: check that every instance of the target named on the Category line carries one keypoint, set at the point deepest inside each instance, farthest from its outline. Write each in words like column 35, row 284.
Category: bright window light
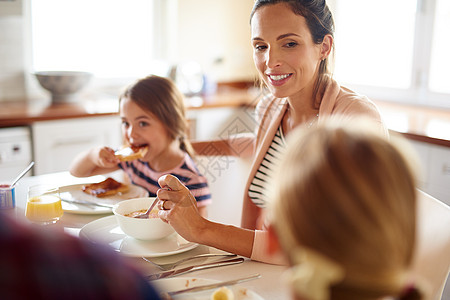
column 440, row 62
column 110, row 38
column 375, row 42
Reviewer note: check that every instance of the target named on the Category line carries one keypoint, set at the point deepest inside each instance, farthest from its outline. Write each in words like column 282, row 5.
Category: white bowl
column 63, row 85
column 142, row 229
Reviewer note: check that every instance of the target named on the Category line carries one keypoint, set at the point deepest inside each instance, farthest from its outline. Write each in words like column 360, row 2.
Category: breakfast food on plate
column 222, row 293
column 152, row 214
column 131, row 153
column 107, row 187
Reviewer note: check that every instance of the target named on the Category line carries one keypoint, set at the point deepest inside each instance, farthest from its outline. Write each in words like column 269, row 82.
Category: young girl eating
column 153, row 118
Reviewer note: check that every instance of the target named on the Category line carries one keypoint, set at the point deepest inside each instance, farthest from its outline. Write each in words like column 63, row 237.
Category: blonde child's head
column 161, row 97
column 345, row 205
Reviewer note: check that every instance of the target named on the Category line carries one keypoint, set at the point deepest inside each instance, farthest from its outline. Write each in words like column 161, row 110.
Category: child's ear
column 273, row 245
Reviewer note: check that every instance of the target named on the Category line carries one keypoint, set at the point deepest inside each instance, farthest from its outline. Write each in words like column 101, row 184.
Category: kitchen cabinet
column 57, row 142
column 434, row 174
column 15, row 152
column 220, row 122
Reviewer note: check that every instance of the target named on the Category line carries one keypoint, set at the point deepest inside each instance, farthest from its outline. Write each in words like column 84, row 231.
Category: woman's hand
column 179, row 208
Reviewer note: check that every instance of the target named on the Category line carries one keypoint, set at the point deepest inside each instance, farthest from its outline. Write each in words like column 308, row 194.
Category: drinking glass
column 43, row 204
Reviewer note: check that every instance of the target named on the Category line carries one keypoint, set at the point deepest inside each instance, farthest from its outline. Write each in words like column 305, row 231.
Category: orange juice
column 45, row 209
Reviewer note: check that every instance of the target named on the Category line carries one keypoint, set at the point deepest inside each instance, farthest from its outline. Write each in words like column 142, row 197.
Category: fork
column 169, row 266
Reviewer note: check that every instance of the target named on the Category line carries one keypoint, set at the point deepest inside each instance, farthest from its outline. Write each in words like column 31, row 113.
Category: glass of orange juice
column 43, row 204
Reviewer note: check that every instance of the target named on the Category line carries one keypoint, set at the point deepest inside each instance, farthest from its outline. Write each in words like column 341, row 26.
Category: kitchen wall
column 12, row 61
column 217, row 34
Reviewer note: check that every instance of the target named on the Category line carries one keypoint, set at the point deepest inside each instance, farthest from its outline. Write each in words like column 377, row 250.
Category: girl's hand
column 178, row 207
column 104, row 157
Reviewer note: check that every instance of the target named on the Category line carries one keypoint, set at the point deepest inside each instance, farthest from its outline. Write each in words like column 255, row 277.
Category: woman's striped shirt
column 264, row 175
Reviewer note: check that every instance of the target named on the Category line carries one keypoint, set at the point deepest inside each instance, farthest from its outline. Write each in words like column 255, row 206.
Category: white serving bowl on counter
column 142, row 229
column 63, row 85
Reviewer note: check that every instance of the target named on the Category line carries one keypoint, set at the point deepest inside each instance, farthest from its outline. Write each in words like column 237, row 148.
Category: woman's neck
column 300, row 111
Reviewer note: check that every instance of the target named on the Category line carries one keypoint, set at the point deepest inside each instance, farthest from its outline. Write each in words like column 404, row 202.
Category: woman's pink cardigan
column 337, row 100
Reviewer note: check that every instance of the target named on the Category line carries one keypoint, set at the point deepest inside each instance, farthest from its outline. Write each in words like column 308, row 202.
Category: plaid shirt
column 41, row 263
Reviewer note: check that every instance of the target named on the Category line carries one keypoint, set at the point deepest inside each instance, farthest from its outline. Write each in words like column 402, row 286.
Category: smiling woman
column 292, row 40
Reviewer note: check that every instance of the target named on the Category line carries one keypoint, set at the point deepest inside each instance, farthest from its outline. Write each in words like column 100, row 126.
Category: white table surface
column 269, row 286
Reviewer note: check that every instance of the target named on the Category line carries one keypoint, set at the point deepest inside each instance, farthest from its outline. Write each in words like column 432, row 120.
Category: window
column 110, row 38
column 394, row 49
column 440, row 62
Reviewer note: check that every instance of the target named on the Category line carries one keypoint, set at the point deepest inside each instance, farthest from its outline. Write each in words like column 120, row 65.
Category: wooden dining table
column 269, row 286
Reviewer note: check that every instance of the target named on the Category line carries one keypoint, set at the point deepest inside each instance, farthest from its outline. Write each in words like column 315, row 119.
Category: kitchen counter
column 26, row 112
column 419, row 123
column 22, row 113
column 424, row 124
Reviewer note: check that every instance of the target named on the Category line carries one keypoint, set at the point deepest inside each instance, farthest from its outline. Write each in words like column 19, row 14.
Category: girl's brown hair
column 350, row 195
column 161, row 97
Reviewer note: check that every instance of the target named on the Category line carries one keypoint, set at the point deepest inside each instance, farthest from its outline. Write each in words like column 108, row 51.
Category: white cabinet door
column 423, row 153
column 15, row 152
column 434, row 176
column 439, row 182
column 56, row 143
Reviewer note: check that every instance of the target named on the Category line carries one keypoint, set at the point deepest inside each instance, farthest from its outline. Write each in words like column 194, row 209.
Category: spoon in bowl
column 146, row 214
column 22, row 174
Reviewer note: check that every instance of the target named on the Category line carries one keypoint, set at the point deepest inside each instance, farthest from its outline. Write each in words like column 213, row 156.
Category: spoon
column 145, row 215
column 22, row 174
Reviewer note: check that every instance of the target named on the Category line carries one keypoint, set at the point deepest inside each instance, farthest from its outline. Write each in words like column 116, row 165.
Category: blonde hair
column 349, row 194
column 161, row 97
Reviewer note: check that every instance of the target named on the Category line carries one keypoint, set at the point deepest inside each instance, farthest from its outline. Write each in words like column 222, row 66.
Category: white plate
column 107, row 231
column 178, row 283
column 75, row 192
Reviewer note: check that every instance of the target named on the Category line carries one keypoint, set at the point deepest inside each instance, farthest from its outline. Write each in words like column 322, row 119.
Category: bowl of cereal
column 152, row 228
